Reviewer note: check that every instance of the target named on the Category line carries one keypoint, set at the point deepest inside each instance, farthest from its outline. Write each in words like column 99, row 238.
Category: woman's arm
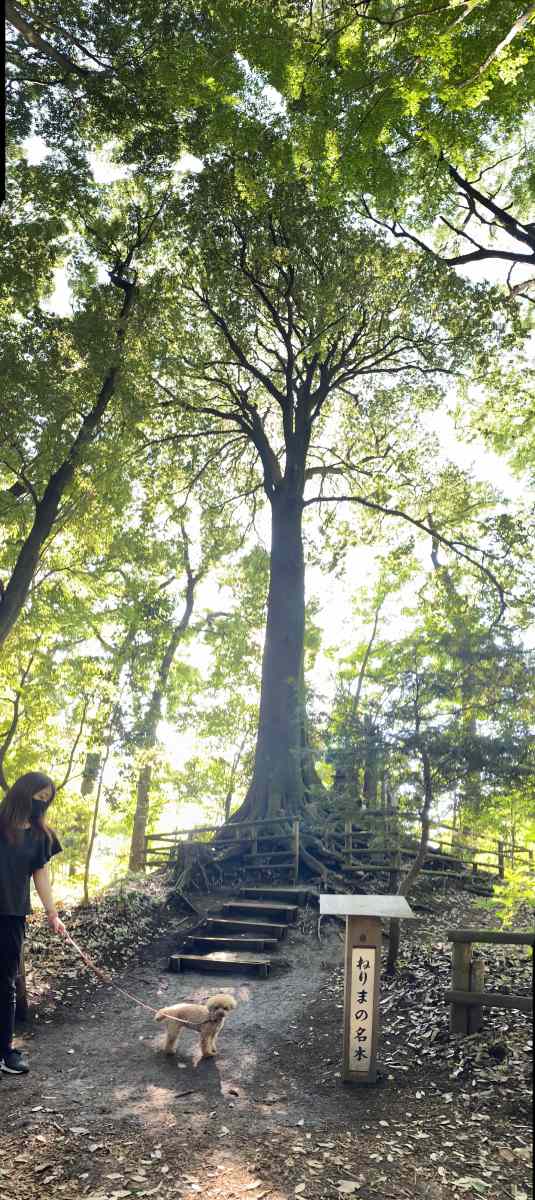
column 44, row 891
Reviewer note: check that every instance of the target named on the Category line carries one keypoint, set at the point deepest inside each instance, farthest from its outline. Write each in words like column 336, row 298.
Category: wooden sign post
column 362, row 976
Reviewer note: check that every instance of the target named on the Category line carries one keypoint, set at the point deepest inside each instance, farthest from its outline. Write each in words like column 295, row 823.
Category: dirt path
column 105, row 1114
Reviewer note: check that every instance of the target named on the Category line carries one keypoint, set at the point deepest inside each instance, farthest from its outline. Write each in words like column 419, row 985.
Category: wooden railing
column 382, row 841
column 391, row 840
column 254, row 838
column 467, row 997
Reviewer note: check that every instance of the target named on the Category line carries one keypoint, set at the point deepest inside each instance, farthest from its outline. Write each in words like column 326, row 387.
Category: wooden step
column 243, row 925
column 221, row 961
column 262, row 908
column 231, row 942
column 293, row 895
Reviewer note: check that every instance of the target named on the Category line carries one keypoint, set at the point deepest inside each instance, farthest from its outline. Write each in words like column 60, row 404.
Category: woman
column 26, row 846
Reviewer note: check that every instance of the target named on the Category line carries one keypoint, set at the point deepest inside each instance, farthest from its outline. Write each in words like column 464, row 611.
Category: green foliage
column 303, row 116
column 517, row 893
column 454, row 686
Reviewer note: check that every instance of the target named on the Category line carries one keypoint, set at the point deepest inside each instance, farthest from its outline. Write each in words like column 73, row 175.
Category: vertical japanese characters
column 361, row 1014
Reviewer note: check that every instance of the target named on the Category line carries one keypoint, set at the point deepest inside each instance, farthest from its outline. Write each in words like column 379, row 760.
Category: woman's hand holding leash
column 54, row 922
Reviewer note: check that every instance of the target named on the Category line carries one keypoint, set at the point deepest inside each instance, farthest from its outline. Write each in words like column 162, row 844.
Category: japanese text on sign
column 361, row 1015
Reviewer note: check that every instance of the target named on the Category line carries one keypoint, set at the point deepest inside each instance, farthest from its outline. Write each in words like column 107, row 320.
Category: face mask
column 39, row 808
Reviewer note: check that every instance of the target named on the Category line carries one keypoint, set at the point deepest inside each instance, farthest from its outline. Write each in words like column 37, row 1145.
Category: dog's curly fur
column 207, row 1018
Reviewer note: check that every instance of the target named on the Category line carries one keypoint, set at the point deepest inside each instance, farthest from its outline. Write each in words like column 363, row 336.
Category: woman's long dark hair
column 16, row 807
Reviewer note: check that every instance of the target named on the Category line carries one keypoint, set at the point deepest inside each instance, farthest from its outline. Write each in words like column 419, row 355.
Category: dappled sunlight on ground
column 227, row 1174
column 106, row 1115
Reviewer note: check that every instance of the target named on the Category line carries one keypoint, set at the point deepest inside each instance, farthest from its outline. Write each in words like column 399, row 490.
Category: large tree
column 288, row 329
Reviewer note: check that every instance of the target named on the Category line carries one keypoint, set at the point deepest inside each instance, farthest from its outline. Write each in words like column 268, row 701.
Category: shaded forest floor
column 105, row 1115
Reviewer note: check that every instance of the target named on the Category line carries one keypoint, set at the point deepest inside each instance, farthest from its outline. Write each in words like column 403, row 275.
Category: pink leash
column 104, row 978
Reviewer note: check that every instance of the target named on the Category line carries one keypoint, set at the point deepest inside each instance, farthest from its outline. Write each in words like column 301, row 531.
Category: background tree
column 45, row 448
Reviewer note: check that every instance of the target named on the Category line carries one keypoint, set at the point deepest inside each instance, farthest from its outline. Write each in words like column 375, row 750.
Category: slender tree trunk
column 92, row 836
column 469, row 800
column 407, row 883
column 232, row 779
column 347, row 782
column 46, row 509
column 136, row 861
column 149, row 733
column 278, row 786
column 471, row 791
column 94, row 822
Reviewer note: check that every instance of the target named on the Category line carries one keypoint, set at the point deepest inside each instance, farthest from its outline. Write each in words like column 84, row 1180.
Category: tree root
column 319, row 868
column 324, row 850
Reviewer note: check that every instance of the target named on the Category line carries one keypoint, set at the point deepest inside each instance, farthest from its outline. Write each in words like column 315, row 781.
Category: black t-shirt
column 17, row 864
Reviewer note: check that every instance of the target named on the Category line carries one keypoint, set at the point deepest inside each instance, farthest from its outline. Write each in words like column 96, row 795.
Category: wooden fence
column 467, row 997
column 392, row 839
column 382, row 841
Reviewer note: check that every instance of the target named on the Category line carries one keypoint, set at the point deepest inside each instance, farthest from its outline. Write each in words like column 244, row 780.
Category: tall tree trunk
column 278, row 787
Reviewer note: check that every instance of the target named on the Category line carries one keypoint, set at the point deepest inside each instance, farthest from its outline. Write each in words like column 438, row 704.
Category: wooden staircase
column 243, row 934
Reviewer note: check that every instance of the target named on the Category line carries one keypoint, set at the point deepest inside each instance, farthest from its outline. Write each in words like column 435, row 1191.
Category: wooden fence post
column 462, row 958
column 501, row 860
column 296, row 849
column 477, row 984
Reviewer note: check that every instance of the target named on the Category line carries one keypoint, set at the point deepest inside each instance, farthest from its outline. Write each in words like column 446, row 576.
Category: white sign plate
column 366, row 906
column 363, row 965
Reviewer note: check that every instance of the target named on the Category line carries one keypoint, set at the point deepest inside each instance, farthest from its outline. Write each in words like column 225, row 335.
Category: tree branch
column 398, row 512
column 34, row 39
column 515, row 29
column 12, row 727
column 74, row 748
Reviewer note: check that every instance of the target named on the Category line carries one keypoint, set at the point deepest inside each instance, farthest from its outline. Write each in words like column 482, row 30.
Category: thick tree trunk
column 278, row 784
